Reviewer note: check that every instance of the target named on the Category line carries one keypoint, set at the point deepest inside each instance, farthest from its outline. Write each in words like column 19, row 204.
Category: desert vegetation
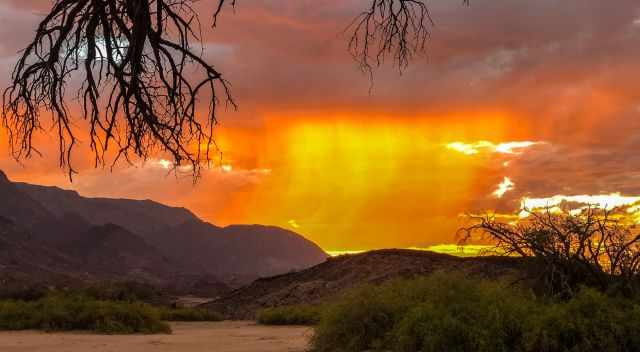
column 581, row 294
column 109, row 308
column 57, row 312
column 188, row 314
column 451, row 312
column 597, row 248
column 290, row 315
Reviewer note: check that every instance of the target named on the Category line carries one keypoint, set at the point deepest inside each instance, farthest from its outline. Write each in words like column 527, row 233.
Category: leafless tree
column 591, row 248
column 396, row 28
column 136, row 96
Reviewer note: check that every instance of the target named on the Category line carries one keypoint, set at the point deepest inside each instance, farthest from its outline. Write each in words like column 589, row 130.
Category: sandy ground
column 186, row 337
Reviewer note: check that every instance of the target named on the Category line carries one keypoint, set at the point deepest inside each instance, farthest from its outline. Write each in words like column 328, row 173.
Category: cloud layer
column 543, row 93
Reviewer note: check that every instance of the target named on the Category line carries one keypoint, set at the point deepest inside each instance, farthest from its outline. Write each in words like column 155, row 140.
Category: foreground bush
column 189, row 314
column 290, row 315
column 447, row 312
column 61, row 312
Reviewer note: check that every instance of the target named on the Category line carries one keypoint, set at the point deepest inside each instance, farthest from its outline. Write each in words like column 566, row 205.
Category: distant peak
column 3, row 177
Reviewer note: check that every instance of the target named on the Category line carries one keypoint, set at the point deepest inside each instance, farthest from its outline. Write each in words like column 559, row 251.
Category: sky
column 514, row 104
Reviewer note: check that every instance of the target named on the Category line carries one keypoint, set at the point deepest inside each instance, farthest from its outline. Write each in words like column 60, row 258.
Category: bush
column 126, row 291
column 595, row 247
column 591, row 321
column 290, row 315
column 189, row 314
column 23, row 292
column 58, row 312
column 449, row 312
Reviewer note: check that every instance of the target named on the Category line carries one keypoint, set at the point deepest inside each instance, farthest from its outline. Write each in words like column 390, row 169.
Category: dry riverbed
column 187, row 337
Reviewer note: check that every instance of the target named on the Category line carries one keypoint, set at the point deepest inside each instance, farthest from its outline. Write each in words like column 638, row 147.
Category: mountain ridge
column 146, row 240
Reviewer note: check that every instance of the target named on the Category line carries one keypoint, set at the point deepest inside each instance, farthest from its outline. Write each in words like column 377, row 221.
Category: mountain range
column 48, row 234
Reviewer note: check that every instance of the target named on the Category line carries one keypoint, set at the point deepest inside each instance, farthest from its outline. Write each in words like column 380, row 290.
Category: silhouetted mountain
column 19, row 207
column 138, row 216
column 57, row 245
column 143, row 240
column 112, row 252
column 338, row 274
column 238, row 253
column 23, row 258
column 104, row 253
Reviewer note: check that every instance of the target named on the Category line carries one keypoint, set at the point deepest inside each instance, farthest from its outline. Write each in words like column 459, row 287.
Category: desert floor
column 186, row 337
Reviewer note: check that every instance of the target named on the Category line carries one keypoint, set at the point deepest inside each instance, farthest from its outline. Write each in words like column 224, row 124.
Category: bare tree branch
column 591, row 248
column 390, row 28
column 136, row 93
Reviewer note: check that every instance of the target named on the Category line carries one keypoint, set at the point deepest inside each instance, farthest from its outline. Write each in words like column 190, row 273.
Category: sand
column 187, row 337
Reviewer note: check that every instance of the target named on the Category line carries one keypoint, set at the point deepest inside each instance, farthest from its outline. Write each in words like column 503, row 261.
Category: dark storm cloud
column 520, row 54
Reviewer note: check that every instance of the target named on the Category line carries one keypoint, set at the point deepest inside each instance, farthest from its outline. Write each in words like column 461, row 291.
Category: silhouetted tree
column 593, row 248
column 136, row 95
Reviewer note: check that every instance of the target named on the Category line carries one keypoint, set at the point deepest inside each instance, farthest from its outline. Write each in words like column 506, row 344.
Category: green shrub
column 17, row 315
column 360, row 321
column 464, row 316
column 450, row 312
column 290, row 315
column 122, row 291
column 58, row 312
column 189, row 314
column 591, row 321
column 23, row 292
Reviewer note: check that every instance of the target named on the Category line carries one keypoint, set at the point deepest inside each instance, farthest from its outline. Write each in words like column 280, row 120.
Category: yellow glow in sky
column 485, row 146
column 603, row 201
column 355, row 183
column 451, row 249
column 505, row 186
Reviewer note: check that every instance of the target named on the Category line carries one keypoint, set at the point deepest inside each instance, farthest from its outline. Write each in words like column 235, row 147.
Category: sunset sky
column 515, row 102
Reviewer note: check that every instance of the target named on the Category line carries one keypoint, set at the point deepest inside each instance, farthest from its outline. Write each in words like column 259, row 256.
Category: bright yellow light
column 165, row 164
column 293, row 224
column 368, row 184
column 463, row 148
column 467, row 250
column 337, row 253
column 486, row 146
column 514, row 147
column 505, row 186
column 579, row 203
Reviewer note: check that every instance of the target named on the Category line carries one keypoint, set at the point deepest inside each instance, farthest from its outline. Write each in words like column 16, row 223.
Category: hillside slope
column 24, row 259
column 337, row 274
column 238, row 253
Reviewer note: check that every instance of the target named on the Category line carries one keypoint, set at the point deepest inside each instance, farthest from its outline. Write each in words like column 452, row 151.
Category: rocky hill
column 337, row 274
